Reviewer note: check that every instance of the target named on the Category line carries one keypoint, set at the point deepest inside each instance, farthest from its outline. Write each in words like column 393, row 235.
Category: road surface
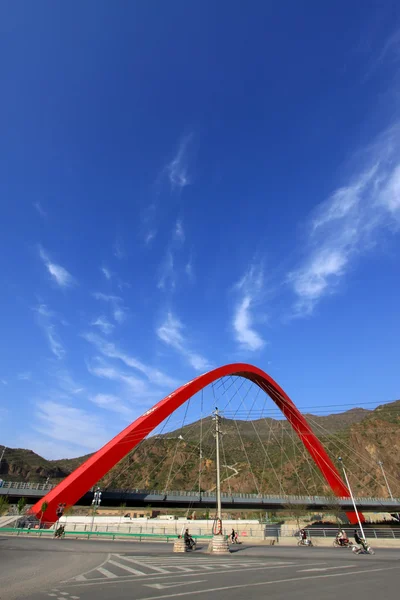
column 44, row 569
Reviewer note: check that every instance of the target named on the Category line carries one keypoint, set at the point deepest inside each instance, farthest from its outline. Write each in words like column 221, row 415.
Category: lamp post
column 380, row 463
column 352, row 497
column 95, row 503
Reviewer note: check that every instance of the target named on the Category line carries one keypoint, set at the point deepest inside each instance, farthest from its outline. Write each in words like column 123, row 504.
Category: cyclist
column 360, row 541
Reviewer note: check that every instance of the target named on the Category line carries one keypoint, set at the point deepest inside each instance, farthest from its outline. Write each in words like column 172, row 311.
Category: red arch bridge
column 76, row 485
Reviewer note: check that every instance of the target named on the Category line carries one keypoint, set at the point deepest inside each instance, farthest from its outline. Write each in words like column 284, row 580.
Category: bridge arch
column 73, row 487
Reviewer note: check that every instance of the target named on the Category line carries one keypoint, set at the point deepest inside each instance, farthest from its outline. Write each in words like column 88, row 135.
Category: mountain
column 277, row 458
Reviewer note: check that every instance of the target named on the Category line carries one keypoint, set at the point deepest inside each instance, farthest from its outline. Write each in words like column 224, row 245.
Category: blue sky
column 184, row 185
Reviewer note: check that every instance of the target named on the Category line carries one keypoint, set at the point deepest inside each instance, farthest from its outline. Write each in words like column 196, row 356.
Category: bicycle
column 305, row 542
column 363, row 550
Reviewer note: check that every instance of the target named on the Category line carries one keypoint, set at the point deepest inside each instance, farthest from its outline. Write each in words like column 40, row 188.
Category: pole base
column 219, row 544
column 179, row 545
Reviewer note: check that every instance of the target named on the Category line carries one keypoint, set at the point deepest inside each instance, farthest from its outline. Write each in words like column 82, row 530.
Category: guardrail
column 99, row 534
column 321, row 532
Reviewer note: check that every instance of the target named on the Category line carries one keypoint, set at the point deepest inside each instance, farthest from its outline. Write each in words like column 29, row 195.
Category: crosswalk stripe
column 106, row 573
column 126, row 568
column 142, row 564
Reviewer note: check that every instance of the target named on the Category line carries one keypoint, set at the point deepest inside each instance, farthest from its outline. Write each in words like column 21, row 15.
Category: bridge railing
column 24, row 485
column 283, row 498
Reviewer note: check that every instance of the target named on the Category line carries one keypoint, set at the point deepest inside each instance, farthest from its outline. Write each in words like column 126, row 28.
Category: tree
column 296, row 511
column 333, row 508
column 43, row 509
column 4, row 505
column 21, row 505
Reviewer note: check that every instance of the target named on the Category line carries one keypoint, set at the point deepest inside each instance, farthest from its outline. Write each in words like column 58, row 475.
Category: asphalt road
column 44, row 569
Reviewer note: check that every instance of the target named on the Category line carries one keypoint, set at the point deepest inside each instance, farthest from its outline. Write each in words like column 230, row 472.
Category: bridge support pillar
column 219, row 544
column 179, row 545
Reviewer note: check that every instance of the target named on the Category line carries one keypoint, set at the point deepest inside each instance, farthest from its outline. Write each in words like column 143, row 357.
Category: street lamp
column 95, row 503
column 380, row 463
column 352, row 497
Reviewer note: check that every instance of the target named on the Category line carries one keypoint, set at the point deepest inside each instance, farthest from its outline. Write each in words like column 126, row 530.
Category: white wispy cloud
column 112, row 403
column 177, row 169
column 59, row 274
column 66, row 384
column 40, row 209
column 350, row 223
column 171, row 333
column 179, row 233
column 3, row 381
column 44, row 317
column 104, row 325
column 138, row 388
column 167, row 277
column 118, row 249
column 66, row 423
column 118, row 309
column 25, row 376
column 249, row 289
column 110, row 350
column 189, row 269
column 150, row 236
column 106, row 272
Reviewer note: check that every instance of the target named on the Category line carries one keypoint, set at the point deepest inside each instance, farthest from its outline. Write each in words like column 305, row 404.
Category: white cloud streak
column 26, row 376
column 138, row 389
column 189, row 270
column 69, row 424
column 150, row 237
column 58, row 273
column 106, row 272
column 45, row 317
column 118, row 250
column 110, row 350
column 118, row 310
column 179, row 232
column 167, row 277
column 350, row 223
column 112, row 403
column 103, row 324
column 171, row 333
column 40, row 209
column 177, row 169
column 249, row 289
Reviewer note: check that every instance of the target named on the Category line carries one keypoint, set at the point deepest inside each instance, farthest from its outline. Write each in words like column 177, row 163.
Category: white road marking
column 325, row 568
column 127, row 578
column 261, row 583
column 126, row 568
column 141, row 563
column 162, row 586
column 52, row 595
column 74, row 597
column 106, row 573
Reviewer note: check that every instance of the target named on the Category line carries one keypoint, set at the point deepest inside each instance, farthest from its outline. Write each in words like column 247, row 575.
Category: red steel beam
column 73, row 487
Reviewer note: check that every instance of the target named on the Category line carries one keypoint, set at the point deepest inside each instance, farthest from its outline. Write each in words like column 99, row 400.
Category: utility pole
column 380, row 463
column 218, row 487
column 352, row 497
column 2, row 454
column 219, row 542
